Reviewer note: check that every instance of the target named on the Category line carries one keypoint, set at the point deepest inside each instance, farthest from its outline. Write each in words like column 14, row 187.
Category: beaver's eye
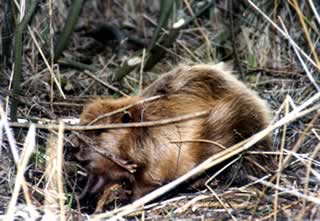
column 126, row 117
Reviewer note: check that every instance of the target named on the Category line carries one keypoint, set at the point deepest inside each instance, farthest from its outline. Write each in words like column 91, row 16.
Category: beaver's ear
column 126, row 117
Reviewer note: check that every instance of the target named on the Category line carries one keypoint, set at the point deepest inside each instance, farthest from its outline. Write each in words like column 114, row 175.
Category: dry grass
column 274, row 46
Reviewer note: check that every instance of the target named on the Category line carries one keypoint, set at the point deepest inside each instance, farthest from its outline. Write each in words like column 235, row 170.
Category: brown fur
column 236, row 113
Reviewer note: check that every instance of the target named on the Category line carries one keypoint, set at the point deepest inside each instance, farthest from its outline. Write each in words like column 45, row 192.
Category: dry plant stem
column 141, row 71
column 156, row 206
column 186, row 206
column 17, row 73
column 304, row 161
column 304, row 65
column 51, row 33
column 314, row 10
column 51, row 46
column 14, row 152
column 124, row 108
column 268, row 217
column 300, row 140
column 306, row 184
column 51, row 188
column 214, row 160
column 47, row 64
column 192, row 54
column 284, row 34
column 306, row 32
column 105, row 83
column 204, row 35
column 1, row 135
column 220, row 171
column 29, row 103
column 200, row 141
column 59, row 170
column 293, row 192
column 225, row 207
column 283, row 140
column 293, row 151
column 264, row 153
column 26, row 153
column 11, row 140
column 62, row 104
column 214, row 193
column 158, row 122
column 314, row 131
column 120, row 125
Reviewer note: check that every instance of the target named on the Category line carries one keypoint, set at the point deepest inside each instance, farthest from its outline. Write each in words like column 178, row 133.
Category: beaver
column 160, row 154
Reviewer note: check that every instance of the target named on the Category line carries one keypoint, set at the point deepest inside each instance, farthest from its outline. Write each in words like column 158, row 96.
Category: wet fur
column 236, row 113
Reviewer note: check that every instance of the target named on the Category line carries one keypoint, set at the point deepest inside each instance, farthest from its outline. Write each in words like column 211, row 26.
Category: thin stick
column 51, row 188
column 264, row 153
column 300, row 140
column 1, row 135
column 293, row 192
column 26, row 153
column 282, row 209
column 105, row 83
column 220, row 171
column 204, row 35
column 59, row 170
column 303, row 64
column 14, row 152
column 120, row 125
column 192, row 202
column 214, row 193
column 141, row 71
column 314, row 10
column 304, row 160
column 306, row 32
column 11, row 140
column 283, row 141
column 47, row 63
column 306, row 184
column 221, row 203
column 200, row 141
column 51, row 40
